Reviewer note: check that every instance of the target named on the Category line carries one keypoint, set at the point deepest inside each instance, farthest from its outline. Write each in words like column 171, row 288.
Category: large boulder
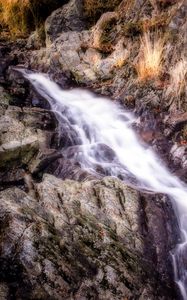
column 67, row 18
column 91, row 240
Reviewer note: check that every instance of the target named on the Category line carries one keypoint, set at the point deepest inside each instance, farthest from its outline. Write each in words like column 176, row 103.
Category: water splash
column 105, row 139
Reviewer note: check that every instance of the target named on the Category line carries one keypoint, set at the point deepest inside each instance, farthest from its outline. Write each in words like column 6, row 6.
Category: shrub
column 151, row 57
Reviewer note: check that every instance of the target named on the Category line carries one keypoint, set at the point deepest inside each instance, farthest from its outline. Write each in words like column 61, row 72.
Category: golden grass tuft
column 150, row 61
column 178, row 78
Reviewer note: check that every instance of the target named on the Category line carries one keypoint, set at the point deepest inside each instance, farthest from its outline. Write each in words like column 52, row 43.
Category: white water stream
column 97, row 121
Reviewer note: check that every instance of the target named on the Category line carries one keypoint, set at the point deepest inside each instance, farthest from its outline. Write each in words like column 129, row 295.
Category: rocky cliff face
column 88, row 238
column 91, row 240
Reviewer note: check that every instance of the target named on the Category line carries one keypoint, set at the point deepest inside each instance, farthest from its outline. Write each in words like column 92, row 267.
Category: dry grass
column 178, row 79
column 21, row 16
column 150, row 61
column 14, row 15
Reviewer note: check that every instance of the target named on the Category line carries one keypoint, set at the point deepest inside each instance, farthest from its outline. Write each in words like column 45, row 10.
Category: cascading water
column 100, row 124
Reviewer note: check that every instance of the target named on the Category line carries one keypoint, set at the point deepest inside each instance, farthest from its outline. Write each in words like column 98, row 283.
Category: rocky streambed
column 67, row 234
column 66, row 239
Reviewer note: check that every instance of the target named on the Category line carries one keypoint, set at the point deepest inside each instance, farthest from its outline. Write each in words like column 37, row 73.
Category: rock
column 6, row 59
column 179, row 155
column 43, row 160
column 24, row 132
column 67, row 18
column 66, row 55
column 67, row 168
column 40, row 118
column 67, row 47
column 16, row 152
column 84, row 240
column 92, row 56
column 18, row 86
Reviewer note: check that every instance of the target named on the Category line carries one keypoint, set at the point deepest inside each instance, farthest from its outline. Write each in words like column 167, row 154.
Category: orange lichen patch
column 150, row 61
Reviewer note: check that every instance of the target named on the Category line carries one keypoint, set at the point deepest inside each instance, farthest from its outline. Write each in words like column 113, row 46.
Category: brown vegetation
column 20, row 16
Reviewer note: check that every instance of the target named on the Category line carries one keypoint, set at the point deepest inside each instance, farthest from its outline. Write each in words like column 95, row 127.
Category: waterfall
column 106, row 141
